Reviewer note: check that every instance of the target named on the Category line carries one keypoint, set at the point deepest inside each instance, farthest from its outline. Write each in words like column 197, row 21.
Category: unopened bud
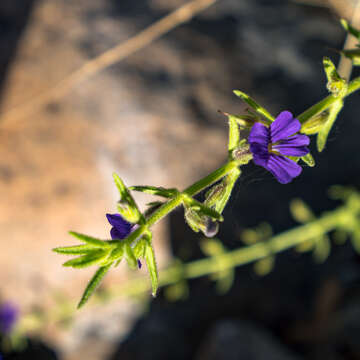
column 242, row 154
column 202, row 223
column 315, row 123
column 129, row 213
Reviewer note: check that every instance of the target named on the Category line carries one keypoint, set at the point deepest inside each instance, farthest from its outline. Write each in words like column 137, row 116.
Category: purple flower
column 120, row 228
column 8, row 317
column 270, row 146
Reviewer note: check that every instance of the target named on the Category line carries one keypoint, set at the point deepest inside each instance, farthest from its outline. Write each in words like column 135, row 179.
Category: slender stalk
column 178, row 199
column 322, row 105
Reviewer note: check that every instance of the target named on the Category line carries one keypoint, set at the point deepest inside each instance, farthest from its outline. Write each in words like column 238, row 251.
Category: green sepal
column 152, row 267
column 234, row 133
column 324, row 132
column 308, row 159
column 129, row 256
column 259, row 109
column 335, row 83
column 92, row 258
column 93, row 284
column 153, row 190
column 89, row 240
column 350, row 29
column 75, row 250
column 353, row 55
column 127, row 206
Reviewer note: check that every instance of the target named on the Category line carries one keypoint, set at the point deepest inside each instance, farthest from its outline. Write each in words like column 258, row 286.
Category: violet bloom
column 8, row 317
column 270, row 146
column 120, row 228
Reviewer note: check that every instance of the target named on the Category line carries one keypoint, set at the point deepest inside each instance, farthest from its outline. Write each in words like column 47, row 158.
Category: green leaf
column 93, row 284
column 152, row 267
column 89, row 240
column 153, row 190
column 308, row 159
column 87, row 260
column 324, row 132
column 259, row 109
column 75, row 250
column 350, row 29
column 129, row 256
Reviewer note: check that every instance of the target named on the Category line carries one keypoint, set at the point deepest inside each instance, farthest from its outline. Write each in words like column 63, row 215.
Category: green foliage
column 126, row 206
column 350, row 29
column 153, row 190
column 251, row 102
column 93, row 284
column 152, row 267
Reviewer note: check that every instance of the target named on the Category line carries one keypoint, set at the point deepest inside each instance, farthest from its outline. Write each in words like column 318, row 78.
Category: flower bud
column 128, row 212
column 202, row 223
column 315, row 123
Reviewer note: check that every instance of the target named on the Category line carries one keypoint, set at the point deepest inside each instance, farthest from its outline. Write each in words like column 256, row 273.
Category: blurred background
column 152, row 116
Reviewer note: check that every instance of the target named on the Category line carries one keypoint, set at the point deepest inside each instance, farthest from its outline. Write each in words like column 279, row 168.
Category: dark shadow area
column 14, row 15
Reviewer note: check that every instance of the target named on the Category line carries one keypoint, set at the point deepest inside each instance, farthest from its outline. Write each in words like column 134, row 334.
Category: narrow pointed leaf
column 350, row 29
column 139, row 248
column 89, row 240
column 259, row 109
column 127, row 206
column 153, row 190
column 234, row 134
column 152, row 267
column 75, row 250
column 324, row 132
column 308, row 159
column 87, row 260
column 93, row 284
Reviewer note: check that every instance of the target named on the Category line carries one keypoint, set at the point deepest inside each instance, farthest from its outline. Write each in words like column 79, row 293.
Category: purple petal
column 293, row 146
column 8, row 316
column 283, row 168
column 121, row 228
column 284, row 126
column 259, row 134
column 139, row 264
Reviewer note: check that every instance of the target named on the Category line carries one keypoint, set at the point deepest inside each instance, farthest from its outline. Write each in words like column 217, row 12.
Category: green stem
column 178, row 199
column 244, row 255
column 322, row 105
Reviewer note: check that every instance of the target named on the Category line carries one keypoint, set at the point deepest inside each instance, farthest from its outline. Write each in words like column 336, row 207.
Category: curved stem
column 322, row 105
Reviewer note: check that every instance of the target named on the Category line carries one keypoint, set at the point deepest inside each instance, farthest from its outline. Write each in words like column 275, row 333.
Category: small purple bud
column 8, row 317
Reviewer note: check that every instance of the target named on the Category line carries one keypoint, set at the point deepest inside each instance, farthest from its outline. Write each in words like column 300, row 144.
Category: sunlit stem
column 324, row 104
